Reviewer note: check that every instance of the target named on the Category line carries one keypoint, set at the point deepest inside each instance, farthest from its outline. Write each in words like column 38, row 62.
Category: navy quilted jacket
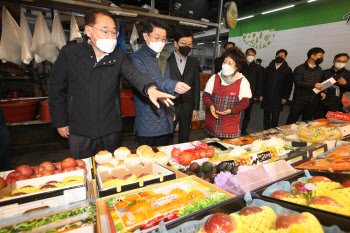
column 150, row 121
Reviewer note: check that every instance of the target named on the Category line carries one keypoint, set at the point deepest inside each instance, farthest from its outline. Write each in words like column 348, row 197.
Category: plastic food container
column 19, row 110
column 44, row 112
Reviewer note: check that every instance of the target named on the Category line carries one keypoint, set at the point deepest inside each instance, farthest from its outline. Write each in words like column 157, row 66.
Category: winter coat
column 277, row 85
column 254, row 73
column 150, row 121
column 84, row 94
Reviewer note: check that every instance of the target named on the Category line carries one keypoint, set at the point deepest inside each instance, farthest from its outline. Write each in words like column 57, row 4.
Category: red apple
column 36, row 170
column 284, row 221
column 323, row 200
column 110, row 178
column 20, row 177
column 2, row 183
column 69, row 162
column 219, row 223
column 48, row 186
column 27, row 186
column 25, row 170
column 12, row 175
column 175, row 153
column 58, row 165
column 9, row 181
column 249, row 210
column 57, row 171
column 346, row 184
column 53, row 182
column 279, row 194
column 47, row 166
column 33, row 176
column 143, row 174
column 319, row 179
column 80, row 163
column 69, row 169
column 127, row 177
column 18, row 194
column 80, row 168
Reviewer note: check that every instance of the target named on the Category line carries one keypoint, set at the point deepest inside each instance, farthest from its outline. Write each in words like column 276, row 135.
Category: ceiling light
column 193, row 24
column 200, row 43
column 246, row 17
column 126, row 14
column 278, row 9
column 311, row 1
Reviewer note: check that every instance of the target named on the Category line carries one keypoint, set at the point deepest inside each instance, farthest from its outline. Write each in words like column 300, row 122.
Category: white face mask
column 156, row 46
column 339, row 65
column 227, row 70
column 105, row 45
column 250, row 59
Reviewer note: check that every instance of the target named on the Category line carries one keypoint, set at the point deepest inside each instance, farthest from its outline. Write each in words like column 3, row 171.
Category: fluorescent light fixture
column 278, row 9
column 127, row 14
column 193, row 24
column 311, row 1
column 246, row 17
column 201, row 43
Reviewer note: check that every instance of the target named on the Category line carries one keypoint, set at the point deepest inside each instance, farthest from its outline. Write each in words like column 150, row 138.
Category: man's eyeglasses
column 105, row 31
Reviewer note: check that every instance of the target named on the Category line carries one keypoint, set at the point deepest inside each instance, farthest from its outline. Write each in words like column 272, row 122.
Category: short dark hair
column 227, row 43
column 314, row 51
column 237, row 55
column 90, row 17
column 251, row 49
column 282, row 51
column 259, row 60
column 341, row 55
column 180, row 33
column 150, row 24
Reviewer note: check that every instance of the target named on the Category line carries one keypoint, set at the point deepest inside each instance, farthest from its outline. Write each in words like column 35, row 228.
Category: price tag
column 263, row 157
column 318, row 152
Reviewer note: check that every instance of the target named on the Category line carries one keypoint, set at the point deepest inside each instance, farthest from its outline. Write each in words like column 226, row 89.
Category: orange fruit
column 140, row 206
column 121, row 204
column 130, row 219
column 181, row 194
column 194, row 195
column 132, row 197
column 148, row 193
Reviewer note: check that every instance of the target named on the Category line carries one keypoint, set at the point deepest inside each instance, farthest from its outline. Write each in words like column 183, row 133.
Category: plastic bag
column 10, row 50
column 42, row 46
column 57, row 33
column 26, row 40
column 74, row 31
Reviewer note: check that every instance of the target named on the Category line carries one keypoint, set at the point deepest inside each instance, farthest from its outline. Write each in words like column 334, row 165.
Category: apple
column 111, row 178
column 323, row 200
column 71, row 181
column 47, row 173
column 346, row 184
column 52, row 182
column 80, row 163
column 299, row 186
column 25, row 170
column 127, row 177
column 279, row 194
column 48, row 186
column 319, row 179
column 33, row 176
column 249, row 210
column 222, row 223
column 284, row 221
column 18, row 194
column 27, row 186
column 69, row 169
column 69, row 162
column 80, row 168
column 9, row 181
column 58, row 165
column 143, row 174
column 46, row 166
column 20, row 177
column 12, row 174
column 2, row 183
column 57, row 171
column 36, row 170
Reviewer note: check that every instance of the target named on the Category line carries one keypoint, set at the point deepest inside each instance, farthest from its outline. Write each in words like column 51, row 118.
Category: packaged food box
column 24, row 196
column 144, row 208
column 121, row 180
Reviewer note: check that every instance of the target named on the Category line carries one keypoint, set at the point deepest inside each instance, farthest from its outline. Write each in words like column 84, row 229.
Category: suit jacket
column 189, row 100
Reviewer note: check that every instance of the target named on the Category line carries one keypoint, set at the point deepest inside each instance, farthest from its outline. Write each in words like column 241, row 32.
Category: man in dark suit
column 185, row 69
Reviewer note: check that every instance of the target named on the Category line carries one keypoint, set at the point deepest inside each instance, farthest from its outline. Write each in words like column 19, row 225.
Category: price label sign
column 263, row 157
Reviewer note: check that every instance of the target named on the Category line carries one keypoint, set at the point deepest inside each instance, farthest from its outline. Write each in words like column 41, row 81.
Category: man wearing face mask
column 84, row 88
column 307, row 76
column 152, row 125
column 332, row 102
column 277, row 86
column 186, row 69
column 254, row 73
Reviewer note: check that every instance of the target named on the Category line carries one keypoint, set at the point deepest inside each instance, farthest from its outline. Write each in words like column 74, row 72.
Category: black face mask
column 279, row 59
column 319, row 61
column 185, row 50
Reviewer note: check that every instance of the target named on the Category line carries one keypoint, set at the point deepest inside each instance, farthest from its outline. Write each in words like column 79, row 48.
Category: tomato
column 202, row 154
column 175, row 153
column 195, row 155
column 210, row 152
column 185, row 158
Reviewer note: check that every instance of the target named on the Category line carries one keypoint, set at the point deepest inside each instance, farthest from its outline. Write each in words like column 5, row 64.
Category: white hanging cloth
column 133, row 39
column 57, row 33
column 10, row 49
column 74, row 31
column 42, row 46
column 26, row 39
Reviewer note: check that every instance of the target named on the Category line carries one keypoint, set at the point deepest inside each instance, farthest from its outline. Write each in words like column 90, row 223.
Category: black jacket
column 277, row 85
column 85, row 95
column 218, row 64
column 335, row 92
column 254, row 73
column 305, row 79
column 190, row 99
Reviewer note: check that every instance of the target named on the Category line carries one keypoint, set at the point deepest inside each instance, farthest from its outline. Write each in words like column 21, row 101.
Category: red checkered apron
column 224, row 97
